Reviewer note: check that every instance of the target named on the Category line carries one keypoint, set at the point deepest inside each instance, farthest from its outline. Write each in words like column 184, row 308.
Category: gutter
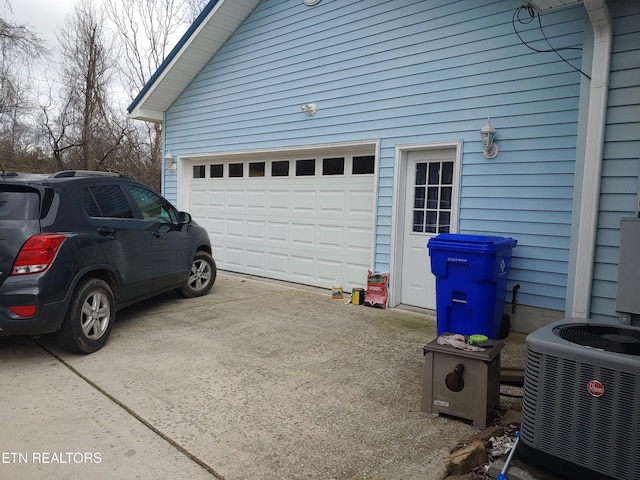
column 594, row 149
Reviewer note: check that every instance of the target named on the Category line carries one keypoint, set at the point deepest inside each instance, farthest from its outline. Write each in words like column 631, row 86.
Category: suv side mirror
column 184, row 217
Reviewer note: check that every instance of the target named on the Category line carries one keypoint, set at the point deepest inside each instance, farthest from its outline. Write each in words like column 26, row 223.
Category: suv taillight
column 37, row 253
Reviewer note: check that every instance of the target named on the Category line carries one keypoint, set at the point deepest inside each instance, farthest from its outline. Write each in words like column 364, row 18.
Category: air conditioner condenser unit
column 581, row 403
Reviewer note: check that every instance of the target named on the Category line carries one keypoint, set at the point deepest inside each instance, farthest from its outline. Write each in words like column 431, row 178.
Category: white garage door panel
column 256, row 200
column 278, row 200
column 234, row 229
column 255, row 229
column 200, row 198
column 302, row 268
column 233, row 256
column 278, row 232
column 303, row 235
column 276, row 264
column 331, row 236
column 301, row 229
column 215, row 199
column 235, row 198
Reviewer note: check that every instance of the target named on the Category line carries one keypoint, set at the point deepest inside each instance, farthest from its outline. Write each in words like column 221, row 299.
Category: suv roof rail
column 83, row 173
column 22, row 175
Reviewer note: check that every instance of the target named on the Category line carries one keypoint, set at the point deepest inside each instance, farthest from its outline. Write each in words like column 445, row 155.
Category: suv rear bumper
column 47, row 320
column 48, row 316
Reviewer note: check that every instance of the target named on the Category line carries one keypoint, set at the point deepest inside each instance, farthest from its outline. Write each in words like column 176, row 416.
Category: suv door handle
column 105, row 231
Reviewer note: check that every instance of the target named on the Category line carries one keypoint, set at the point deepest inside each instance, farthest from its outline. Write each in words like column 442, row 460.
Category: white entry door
column 429, row 204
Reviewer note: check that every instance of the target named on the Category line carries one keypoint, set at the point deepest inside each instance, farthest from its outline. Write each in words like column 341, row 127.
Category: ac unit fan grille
column 603, row 337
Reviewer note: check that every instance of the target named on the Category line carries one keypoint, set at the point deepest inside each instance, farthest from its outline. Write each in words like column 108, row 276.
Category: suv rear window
column 106, row 201
column 19, row 205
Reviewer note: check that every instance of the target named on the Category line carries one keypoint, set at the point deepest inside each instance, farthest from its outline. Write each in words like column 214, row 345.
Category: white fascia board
column 147, row 115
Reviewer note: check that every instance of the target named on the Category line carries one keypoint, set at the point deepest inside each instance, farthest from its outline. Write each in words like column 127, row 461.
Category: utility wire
column 525, row 21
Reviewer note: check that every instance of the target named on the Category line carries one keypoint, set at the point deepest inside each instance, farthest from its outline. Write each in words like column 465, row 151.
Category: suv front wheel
column 88, row 323
column 201, row 277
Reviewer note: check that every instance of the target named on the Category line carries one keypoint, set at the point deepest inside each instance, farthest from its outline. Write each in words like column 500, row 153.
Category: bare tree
column 20, row 46
column 19, row 41
column 82, row 122
column 147, row 30
column 83, row 126
column 193, row 8
column 56, row 132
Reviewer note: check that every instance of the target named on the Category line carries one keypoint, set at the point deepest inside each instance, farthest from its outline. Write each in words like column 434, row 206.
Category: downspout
column 596, row 122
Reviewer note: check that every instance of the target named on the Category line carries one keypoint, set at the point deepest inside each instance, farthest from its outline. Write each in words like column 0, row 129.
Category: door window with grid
column 433, row 189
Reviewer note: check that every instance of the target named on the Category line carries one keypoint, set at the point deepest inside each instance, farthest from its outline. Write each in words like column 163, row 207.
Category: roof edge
column 173, row 54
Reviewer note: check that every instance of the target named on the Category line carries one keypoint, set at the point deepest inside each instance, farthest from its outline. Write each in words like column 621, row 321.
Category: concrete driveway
column 257, row 380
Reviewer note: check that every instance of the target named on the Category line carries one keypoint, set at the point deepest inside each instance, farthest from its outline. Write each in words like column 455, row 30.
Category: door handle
column 105, row 231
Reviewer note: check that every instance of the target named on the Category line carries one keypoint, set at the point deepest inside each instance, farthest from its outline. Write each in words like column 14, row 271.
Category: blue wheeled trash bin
column 471, row 280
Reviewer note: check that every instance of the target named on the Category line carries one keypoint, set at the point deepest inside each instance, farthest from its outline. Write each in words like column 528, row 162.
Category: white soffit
column 542, row 5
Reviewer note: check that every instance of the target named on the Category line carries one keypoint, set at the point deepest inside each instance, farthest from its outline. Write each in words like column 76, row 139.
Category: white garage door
column 305, row 219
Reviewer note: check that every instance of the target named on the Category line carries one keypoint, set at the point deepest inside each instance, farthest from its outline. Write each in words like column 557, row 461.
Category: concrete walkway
column 258, row 380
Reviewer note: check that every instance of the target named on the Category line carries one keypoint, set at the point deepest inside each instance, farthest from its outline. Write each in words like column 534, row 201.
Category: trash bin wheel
column 505, row 326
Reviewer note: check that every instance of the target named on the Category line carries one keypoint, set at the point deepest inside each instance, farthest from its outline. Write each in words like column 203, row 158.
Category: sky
column 44, row 16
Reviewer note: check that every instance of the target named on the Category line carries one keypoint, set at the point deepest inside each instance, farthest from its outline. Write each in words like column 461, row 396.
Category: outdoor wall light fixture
column 169, row 162
column 310, row 108
column 488, row 133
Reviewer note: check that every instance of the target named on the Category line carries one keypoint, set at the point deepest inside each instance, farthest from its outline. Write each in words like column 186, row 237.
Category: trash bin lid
column 464, row 242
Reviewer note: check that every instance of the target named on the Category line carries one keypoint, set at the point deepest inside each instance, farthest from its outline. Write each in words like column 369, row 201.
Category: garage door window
column 363, row 165
column 305, row 167
column 198, row 171
column 216, row 171
column 256, row 169
column 235, row 170
column 345, row 165
column 333, row 166
column 280, row 168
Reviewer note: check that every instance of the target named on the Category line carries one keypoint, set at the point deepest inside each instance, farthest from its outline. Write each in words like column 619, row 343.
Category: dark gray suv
column 77, row 246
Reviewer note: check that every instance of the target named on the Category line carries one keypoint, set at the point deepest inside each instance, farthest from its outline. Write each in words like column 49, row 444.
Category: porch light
column 169, row 162
column 487, row 133
column 310, row 108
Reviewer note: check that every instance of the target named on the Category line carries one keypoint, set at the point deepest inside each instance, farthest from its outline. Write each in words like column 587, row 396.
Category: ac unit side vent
column 530, row 404
column 560, row 417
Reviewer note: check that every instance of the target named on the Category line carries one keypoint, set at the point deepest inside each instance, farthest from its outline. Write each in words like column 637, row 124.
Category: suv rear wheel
column 201, row 277
column 91, row 314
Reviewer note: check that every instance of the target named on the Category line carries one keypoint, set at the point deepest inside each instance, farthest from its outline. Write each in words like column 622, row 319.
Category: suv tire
column 201, row 277
column 87, row 325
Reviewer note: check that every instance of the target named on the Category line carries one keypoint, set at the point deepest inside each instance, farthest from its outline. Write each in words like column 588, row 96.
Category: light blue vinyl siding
column 621, row 163
column 406, row 72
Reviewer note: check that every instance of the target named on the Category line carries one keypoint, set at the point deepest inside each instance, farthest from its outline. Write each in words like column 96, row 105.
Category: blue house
column 318, row 139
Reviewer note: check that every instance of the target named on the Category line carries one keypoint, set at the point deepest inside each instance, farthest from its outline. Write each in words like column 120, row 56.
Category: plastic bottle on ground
column 336, row 289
